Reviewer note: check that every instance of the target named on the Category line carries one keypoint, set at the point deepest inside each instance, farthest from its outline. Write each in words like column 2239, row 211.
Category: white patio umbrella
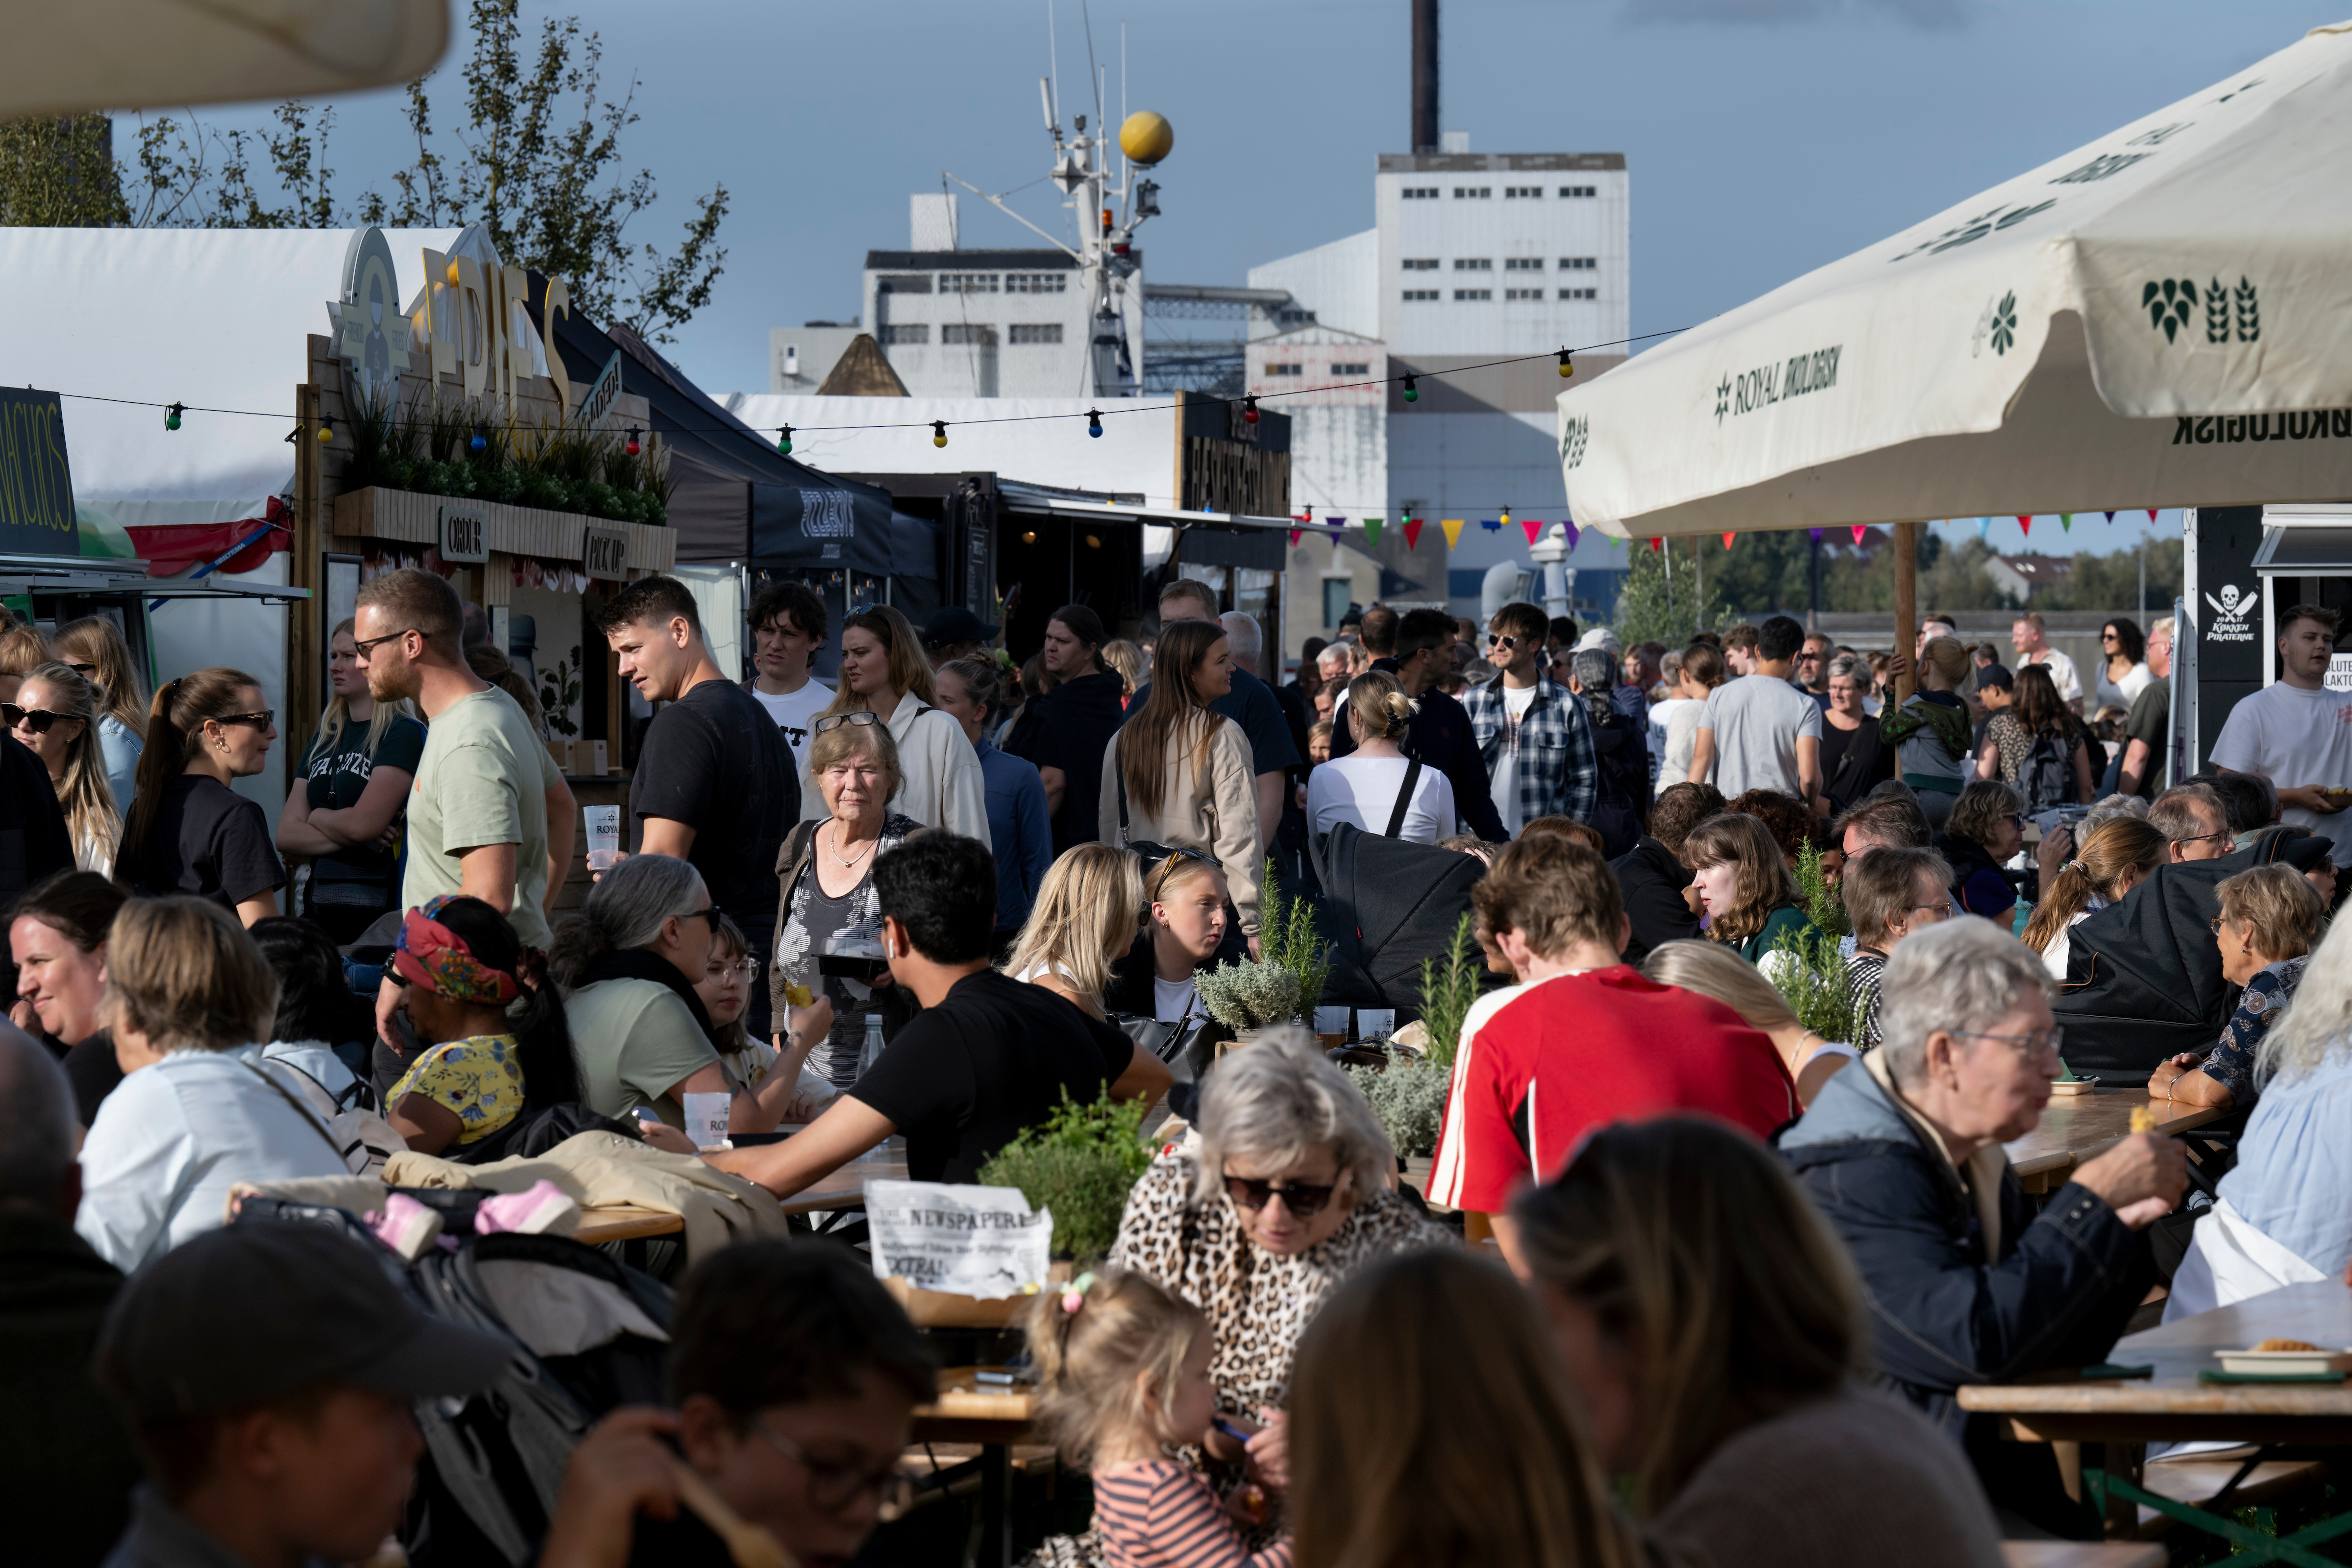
column 66, row 56
column 2161, row 317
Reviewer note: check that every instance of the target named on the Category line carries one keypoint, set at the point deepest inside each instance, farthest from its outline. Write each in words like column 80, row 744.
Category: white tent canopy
column 2161, row 317
column 211, row 317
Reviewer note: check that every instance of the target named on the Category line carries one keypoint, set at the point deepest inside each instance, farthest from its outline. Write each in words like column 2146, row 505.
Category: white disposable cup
column 1331, row 1020
column 1375, row 1023
column 706, row 1121
column 604, row 835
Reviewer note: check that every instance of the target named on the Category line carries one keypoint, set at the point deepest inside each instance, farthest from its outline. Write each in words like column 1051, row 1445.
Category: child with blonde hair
column 1123, row 1376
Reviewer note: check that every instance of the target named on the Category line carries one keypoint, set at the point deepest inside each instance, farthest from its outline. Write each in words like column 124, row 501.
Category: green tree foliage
column 60, row 173
column 537, row 160
column 1661, row 597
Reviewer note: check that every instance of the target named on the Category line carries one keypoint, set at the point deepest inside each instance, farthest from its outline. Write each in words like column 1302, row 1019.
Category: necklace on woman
column 834, row 850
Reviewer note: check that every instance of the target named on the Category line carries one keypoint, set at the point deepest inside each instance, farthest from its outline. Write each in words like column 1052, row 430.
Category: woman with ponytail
column 189, row 832
column 1363, row 786
column 2113, row 860
column 462, row 968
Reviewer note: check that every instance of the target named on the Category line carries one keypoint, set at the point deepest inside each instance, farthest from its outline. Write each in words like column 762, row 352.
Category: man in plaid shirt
column 1531, row 729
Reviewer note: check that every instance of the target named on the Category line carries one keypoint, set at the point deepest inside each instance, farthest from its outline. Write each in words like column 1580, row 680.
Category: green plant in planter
column 1410, row 1101
column 1812, row 978
column 1448, row 989
column 1822, row 905
column 1288, row 938
column 1080, row 1162
column 1249, row 995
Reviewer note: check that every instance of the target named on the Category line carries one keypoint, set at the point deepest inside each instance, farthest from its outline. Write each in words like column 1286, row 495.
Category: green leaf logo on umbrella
column 2004, row 323
column 2168, row 304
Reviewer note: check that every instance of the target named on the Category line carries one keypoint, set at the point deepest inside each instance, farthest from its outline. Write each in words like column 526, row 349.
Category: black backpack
column 1387, row 903
column 2046, row 777
column 2144, row 977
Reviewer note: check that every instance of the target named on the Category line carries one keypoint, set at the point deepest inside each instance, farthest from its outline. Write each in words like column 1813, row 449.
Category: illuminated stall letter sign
column 465, row 535
column 604, row 554
column 36, row 509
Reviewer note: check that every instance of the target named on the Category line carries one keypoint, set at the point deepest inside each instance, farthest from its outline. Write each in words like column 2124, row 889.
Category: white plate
column 2284, row 1363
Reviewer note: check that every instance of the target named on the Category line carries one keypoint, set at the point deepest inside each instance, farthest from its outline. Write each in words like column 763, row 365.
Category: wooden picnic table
column 2079, row 1127
column 845, row 1189
column 995, row 1416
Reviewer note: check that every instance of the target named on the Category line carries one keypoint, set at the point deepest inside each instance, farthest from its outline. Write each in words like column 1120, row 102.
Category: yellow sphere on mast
column 1146, row 138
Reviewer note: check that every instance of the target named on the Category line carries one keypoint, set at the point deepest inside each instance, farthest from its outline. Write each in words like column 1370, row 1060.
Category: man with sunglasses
column 489, row 816
column 1532, row 733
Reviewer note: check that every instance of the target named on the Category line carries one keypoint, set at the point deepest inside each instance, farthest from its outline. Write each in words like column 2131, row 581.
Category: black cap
column 1995, row 675
column 954, row 624
column 253, row 1312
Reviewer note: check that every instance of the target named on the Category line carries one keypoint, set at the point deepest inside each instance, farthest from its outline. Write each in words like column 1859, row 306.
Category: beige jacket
column 1212, row 809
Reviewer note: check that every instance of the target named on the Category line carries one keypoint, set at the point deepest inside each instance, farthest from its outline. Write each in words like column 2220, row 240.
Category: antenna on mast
column 1046, row 96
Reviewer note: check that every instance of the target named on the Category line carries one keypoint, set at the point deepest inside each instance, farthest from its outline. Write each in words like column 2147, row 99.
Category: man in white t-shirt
column 788, row 626
column 2298, row 733
column 2031, row 640
column 1759, row 732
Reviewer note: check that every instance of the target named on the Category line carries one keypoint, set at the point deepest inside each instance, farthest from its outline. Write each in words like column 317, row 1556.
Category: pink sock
column 405, row 1226
column 542, row 1207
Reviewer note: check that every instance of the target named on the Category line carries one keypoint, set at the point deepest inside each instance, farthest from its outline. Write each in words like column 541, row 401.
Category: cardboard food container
column 944, row 1310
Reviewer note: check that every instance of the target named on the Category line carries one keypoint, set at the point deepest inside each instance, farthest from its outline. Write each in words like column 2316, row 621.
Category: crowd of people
column 1686, row 1280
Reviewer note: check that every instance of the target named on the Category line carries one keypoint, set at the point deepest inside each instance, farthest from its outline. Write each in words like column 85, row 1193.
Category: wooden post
column 304, row 665
column 1906, row 604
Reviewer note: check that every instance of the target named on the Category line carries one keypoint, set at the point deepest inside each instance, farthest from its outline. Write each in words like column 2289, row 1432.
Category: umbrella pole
column 1907, row 603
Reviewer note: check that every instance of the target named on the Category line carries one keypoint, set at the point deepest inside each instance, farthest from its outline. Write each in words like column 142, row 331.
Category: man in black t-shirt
column 986, row 1058
column 715, row 785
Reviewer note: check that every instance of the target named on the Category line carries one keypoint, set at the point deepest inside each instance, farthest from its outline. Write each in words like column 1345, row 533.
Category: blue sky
column 1764, row 137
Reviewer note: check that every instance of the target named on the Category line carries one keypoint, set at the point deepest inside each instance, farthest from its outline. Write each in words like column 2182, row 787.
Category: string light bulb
column 1249, row 410
column 172, row 415
column 1567, row 368
column 1094, row 422
column 1411, row 393
column 326, row 428
column 481, row 441
column 784, row 442
column 939, row 432
column 631, row 446
column 1506, row 519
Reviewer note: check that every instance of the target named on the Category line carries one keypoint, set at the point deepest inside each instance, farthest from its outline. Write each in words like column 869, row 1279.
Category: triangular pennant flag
column 1453, row 527
column 1533, row 527
column 1656, row 545
column 2066, row 521
column 1726, row 541
column 1491, row 524
column 2111, row 517
column 1572, row 532
column 1859, row 530
column 1373, row 529
column 1294, row 538
column 1816, row 533
column 2025, row 521
column 1412, row 532
column 1984, row 526
column 2151, row 514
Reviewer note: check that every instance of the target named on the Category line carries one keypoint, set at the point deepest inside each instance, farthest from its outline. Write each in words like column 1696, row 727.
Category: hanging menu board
column 36, row 509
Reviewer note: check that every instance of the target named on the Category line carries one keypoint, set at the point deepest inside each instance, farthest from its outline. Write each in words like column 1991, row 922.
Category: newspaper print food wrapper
column 971, row 1241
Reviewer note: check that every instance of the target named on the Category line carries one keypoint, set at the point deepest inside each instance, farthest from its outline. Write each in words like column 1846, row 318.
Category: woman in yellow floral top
column 461, row 965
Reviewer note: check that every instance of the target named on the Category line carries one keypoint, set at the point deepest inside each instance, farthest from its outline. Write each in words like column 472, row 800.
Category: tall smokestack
column 1425, row 76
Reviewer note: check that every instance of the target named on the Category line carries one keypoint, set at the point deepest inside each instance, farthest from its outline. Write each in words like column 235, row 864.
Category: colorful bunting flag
column 1337, row 525
column 2111, row 517
column 1572, row 532
column 1656, row 545
column 1373, row 529
column 1533, row 527
column 2151, row 514
column 1294, row 538
column 1816, row 533
column 1859, row 530
column 1984, row 526
column 1453, row 527
column 2066, row 521
column 1491, row 524
column 2025, row 521
column 1412, row 532
column 1727, row 541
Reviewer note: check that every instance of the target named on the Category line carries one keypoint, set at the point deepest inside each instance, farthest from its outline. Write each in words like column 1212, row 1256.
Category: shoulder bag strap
column 1118, row 771
column 1404, row 799
column 308, row 1116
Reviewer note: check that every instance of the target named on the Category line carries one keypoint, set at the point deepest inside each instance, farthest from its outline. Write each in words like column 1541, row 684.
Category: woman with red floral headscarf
column 461, row 966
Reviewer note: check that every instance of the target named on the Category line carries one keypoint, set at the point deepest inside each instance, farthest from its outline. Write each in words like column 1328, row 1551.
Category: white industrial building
column 1472, row 257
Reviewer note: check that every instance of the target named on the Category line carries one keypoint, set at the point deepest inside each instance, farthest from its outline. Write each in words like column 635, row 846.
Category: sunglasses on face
column 1305, row 1200
column 710, row 914
column 362, row 647
column 37, row 719
column 1506, row 644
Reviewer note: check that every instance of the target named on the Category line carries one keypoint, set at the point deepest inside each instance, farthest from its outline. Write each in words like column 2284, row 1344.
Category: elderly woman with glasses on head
column 1987, row 827
column 827, row 904
column 1968, row 1281
column 1286, row 1195
column 2271, row 918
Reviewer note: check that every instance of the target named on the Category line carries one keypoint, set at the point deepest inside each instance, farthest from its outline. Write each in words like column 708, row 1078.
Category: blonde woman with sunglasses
column 55, row 716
